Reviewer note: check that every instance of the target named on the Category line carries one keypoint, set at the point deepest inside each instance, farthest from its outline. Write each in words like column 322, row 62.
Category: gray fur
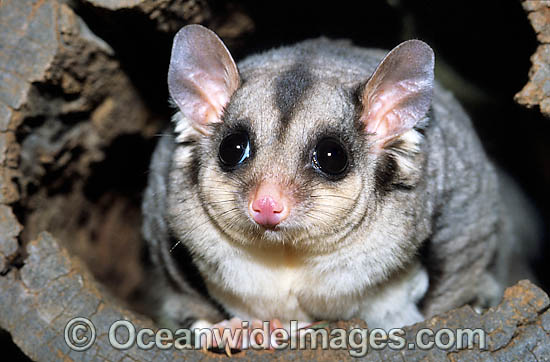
column 435, row 193
column 172, row 296
column 290, row 88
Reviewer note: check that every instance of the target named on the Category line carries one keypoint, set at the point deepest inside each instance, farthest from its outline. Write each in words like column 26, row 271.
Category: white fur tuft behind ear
column 399, row 92
column 202, row 76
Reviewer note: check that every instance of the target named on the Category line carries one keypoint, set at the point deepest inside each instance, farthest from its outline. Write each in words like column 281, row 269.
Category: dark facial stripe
column 195, row 166
column 290, row 90
column 388, row 176
column 385, row 174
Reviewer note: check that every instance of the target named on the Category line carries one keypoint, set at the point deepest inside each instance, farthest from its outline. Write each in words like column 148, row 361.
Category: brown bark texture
column 537, row 90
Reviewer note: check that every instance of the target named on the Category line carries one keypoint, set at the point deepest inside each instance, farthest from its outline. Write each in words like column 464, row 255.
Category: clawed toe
column 236, row 334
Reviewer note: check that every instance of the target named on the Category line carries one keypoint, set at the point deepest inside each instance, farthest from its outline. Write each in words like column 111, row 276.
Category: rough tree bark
column 67, row 105
column 537, row 91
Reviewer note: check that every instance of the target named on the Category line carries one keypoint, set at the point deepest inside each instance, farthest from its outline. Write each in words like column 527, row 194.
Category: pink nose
column 269, row 207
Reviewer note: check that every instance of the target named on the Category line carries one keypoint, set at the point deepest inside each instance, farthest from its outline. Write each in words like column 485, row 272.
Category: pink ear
column 399, row 92
column 202, row 76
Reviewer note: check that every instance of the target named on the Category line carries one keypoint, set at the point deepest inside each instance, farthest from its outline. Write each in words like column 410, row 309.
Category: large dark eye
column 234, row 149
column 330, row 157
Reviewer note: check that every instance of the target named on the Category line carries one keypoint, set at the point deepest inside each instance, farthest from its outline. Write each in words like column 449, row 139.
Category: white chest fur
column 281, row 285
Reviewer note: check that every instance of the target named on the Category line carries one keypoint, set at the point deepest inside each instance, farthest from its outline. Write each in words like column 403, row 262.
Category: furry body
column 411, row 230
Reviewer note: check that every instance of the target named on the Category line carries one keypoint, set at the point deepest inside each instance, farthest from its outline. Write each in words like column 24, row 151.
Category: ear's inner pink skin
column 268, row 205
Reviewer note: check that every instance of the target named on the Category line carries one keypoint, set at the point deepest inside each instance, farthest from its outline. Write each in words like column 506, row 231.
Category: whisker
column 220, row 201
column 334, row 207
column 187, row 233
column 335, row 196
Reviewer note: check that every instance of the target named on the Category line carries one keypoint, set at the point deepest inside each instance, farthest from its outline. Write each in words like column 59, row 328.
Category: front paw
column 236, row 334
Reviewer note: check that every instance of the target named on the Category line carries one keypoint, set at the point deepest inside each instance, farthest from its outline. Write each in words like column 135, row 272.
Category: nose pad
column 269, row 207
